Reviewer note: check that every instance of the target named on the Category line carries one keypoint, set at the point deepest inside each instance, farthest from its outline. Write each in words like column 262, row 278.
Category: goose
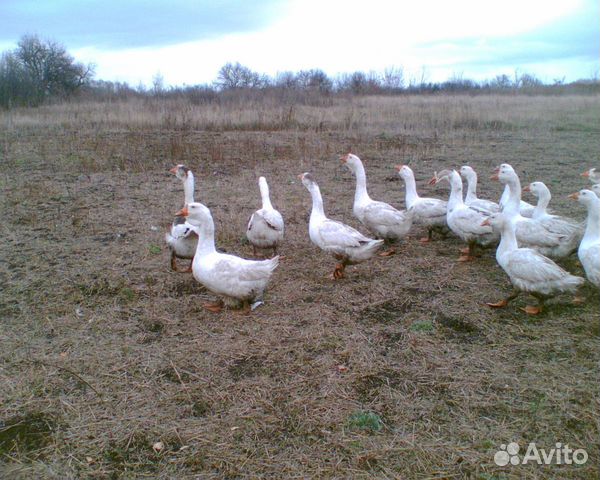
column 465, row 221
column 555, row 223
column 525, row 209
column 265, row 227
column 529, row 271
column 589, row 248
column 346, row 244
column 592, row 175
column 471, row 199
column 430, row 212
column 179, row 237
column 383, row 220
column 539, row 235
column 239, row 282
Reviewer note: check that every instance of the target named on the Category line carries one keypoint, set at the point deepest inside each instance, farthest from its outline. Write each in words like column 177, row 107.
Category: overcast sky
column 187, row 41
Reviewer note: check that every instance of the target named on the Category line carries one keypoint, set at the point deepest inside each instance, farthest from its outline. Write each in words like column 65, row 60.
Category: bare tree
column 235, row 75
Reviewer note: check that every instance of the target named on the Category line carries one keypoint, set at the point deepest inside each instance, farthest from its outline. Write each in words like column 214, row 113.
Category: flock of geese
column 528, row 237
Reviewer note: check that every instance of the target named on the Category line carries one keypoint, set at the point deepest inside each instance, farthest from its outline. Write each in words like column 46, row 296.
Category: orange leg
column 532, row 309
column 338, row 272
column 428, row 238
column 389, row 252
column 173, row 262
column 467, row 255
column 504, row 303
column 214, row 307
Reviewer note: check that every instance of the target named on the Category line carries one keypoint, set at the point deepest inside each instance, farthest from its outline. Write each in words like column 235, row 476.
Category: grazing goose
column 465, row 221
column 429, row 212
column 180, row 239
column 528, row 270
column 265, row 228
column 383, row 220
column 592, row 175
column 531, row 233
column 471, row 199
column 555, row 223
column 238, row 281
column 346, row 244
column 589, row 248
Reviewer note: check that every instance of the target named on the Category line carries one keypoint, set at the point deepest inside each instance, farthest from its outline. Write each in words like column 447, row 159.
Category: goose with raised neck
column 547, row 237
column 589, row 248
column 180, row 239
column 465, row 221
column 383, row 220
column 237, row 281
column 265, row 226
column 471, row 199
column 346, row 244
column 427, row 211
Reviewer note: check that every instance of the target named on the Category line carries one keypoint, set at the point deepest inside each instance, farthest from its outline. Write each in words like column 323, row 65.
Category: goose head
column 589, row 173
column 496, row 221
column 467, row 172
column 307, row 180
column 351, row 161
column 538, row 189
column 180, row 171
column 197, row 213
column 504, row 173
column 404, row 171
column 585, row 197
column 439, row 176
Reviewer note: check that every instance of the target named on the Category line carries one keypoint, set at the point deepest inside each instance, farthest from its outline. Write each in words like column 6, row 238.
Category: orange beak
column 574, row 196
column 182, row 213
column 344, row 158
column 173, row 170
column 301, row 176
column 433, row 181
column 586, row 173
column 485, row 223
column 527, row 189
column 398, row 167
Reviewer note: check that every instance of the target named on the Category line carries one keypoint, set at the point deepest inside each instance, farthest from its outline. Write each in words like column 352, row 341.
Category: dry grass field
column 397, row 371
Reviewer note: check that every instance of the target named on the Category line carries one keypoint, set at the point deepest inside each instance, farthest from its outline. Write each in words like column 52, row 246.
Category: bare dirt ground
column 397, row 371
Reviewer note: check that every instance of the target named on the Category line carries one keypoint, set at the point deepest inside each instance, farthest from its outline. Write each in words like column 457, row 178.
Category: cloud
column 114, row 24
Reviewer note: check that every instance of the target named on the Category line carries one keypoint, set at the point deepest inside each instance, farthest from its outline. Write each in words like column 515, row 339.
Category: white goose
column 383, row 220
column 346, row 244
column 429, row 212
column 465, row 221
column 528, row 270
column 525, row 209
column 529, row 232
column 265, row 228
column 555, row 223
column 471, row 198
column 592, row 175
column 589, row 248
column 180, row 239
column 237, row 280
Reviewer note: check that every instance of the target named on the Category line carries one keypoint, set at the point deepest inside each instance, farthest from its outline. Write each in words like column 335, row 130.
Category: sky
column 187, row 41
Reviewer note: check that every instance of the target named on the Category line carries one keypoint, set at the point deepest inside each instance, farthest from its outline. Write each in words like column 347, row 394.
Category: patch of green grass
column 422, row 326
column 154, row 249
column 366, row 421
